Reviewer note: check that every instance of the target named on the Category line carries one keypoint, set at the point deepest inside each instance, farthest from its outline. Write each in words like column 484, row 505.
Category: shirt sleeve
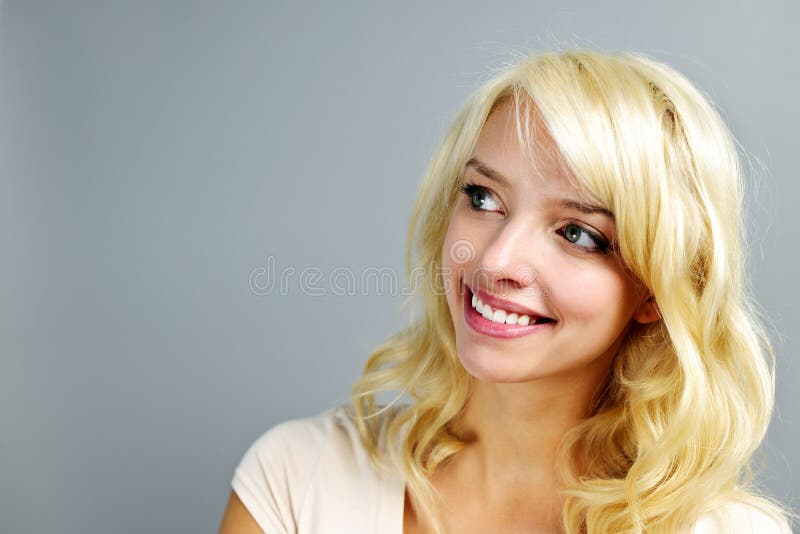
column 273, row 474
column 740, row 518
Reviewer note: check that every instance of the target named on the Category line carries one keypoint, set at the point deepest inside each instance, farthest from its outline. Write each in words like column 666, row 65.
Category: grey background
column 155, row 154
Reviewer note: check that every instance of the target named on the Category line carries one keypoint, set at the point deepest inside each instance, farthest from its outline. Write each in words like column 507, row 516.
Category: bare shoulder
column 741, row 518
column 236, row 519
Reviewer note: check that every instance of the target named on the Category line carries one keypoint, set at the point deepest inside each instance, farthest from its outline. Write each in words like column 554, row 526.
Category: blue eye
column 479, row 198
column 583, row 238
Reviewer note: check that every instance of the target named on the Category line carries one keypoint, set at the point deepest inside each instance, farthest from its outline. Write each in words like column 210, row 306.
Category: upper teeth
column 498, row 315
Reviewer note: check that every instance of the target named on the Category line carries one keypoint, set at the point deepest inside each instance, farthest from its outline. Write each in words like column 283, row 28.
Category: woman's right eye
column 479, row 198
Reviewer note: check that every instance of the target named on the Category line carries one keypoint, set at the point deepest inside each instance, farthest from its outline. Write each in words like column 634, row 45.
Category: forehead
column 515, row 143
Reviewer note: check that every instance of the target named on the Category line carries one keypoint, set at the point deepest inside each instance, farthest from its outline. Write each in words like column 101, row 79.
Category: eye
column 479, row 198
column 583, row 238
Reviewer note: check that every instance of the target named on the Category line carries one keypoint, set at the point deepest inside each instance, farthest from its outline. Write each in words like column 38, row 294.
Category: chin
column 489, row 368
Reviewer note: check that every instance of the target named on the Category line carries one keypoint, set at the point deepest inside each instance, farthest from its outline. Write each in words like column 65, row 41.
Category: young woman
column 587, row 358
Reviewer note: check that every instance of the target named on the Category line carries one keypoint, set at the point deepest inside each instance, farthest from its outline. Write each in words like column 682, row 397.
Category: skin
column 532, row 389
column 236, row 519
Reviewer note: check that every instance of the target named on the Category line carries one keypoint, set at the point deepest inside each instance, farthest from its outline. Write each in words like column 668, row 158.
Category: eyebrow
column 492, row 174
column 586, row 208
column 487, row 171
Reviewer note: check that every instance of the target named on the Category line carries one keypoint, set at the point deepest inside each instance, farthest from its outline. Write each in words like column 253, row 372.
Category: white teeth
column 498, row 315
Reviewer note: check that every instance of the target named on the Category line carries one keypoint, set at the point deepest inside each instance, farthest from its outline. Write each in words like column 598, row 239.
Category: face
column 525, row 241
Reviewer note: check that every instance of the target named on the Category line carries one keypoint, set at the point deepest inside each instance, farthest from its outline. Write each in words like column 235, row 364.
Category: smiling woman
column 537, row 242
column 592, row 364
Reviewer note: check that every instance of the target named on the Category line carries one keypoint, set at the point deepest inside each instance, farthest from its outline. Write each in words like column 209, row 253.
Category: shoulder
column 294, row 442
column 288, row 469
column 288, row 453
column 740, row 518
column 299, row 443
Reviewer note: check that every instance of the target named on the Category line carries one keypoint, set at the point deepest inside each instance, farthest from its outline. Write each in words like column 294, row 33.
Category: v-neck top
column 313, row 475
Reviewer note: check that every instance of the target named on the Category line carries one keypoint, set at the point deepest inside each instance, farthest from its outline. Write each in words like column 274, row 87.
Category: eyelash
column 603, row 246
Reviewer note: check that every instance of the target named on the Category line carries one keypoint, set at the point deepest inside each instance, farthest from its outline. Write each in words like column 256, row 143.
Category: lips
column 492, row 329
column 509, row 306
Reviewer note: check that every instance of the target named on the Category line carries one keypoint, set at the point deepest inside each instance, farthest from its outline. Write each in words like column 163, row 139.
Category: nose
column 510, row 259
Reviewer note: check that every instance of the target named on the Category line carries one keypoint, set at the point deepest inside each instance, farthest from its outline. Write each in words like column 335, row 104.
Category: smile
column 499, row 323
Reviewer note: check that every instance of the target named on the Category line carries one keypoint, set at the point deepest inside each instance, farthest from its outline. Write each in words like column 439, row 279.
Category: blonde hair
column 689, row 398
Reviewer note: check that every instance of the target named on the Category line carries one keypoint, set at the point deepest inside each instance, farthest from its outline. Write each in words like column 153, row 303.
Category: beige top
column 314, row 476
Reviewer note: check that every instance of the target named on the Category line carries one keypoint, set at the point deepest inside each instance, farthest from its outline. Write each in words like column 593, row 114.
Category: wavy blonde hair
column 689, row 398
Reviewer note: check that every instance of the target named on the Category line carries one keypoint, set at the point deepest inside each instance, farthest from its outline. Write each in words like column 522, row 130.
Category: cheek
column 599, row 296
column 458, row 250
column 456, row 254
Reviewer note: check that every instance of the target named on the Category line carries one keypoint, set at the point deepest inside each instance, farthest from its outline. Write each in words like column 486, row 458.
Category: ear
column 647, row 312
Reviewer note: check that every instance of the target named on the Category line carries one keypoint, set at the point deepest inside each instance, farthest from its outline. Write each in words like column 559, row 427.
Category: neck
column 513, row 430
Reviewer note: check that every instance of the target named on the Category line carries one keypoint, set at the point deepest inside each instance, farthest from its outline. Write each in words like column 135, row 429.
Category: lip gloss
column 484, row 326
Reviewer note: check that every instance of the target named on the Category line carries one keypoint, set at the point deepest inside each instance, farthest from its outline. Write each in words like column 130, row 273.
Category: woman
column 587, row 359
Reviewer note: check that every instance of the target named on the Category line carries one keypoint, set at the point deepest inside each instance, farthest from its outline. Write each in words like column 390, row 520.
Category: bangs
column 539, row 145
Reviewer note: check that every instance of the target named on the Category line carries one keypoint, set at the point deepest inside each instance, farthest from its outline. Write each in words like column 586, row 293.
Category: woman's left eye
column 580, row 236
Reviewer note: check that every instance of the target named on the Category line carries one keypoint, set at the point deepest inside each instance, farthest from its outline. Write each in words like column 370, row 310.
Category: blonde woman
column 586, row 358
